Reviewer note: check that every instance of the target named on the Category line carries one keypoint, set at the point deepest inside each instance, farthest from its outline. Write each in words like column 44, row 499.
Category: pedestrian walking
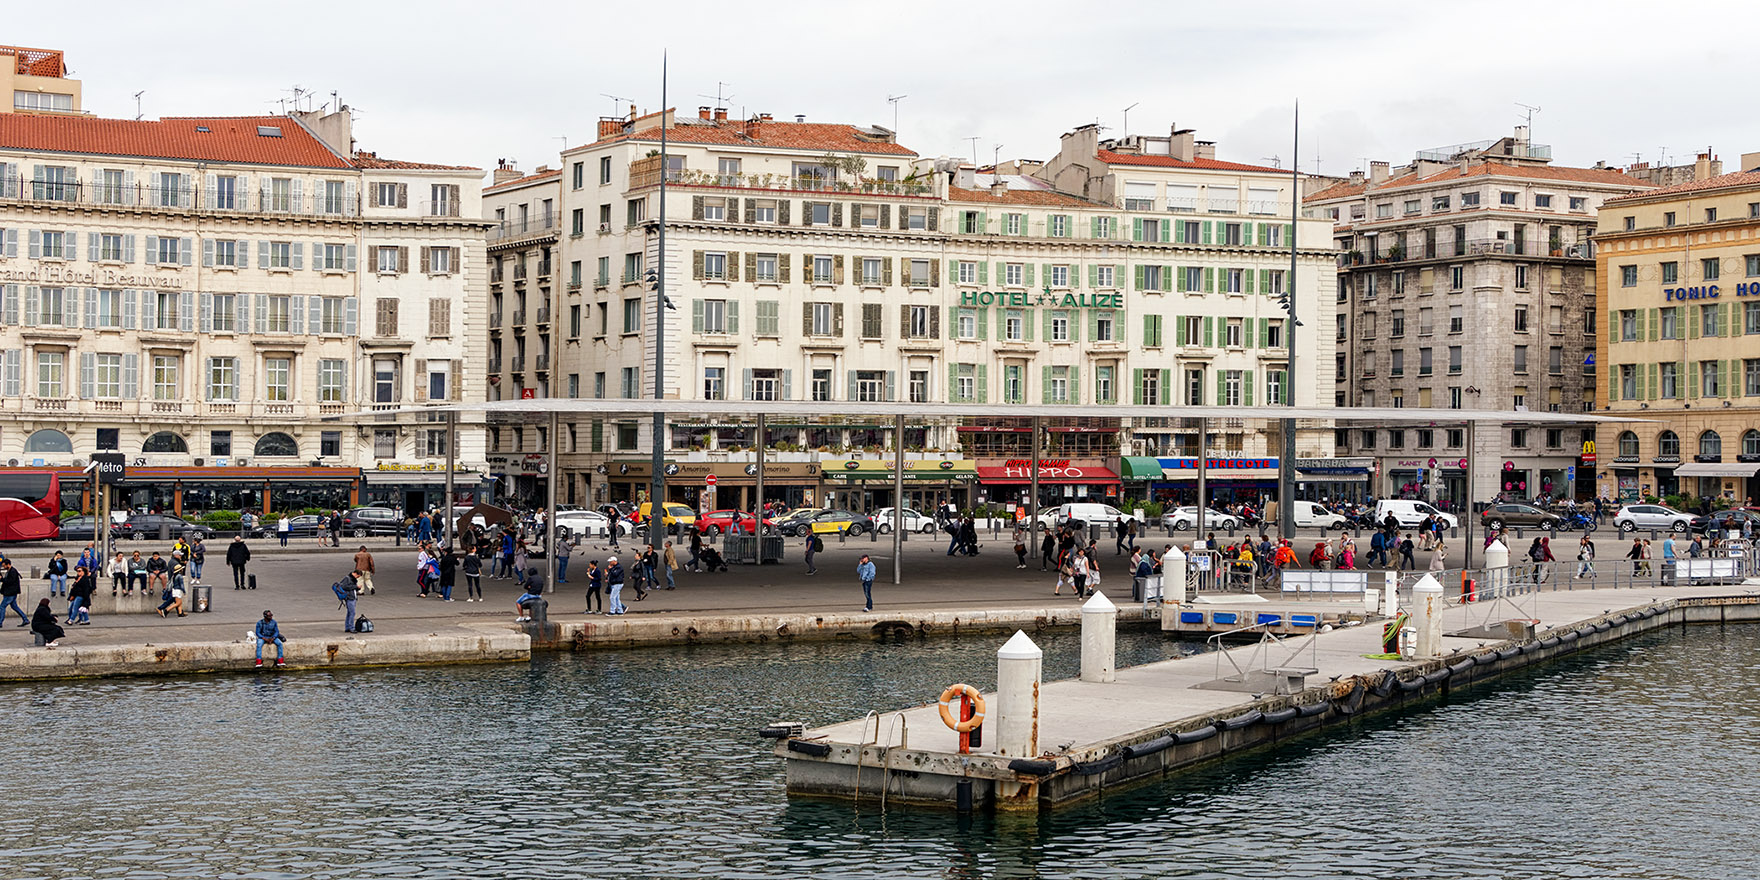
column 614, row 586
column 1439, row 557
column 813, row 546
column 238, row 555
column 509, row 549
column 696, row 550
column 1047, row 548
column 1079, row 573
column 1585, row 557
column 1020, row 548
column 595, row 582
column 283, row 528
column 1636, row 555
column 1406, row 561
column 448, row 563
column 669, row 562
column 79, row 603
column 268, row 631
column 1118, row 537
column 564, row 549
column 363, row 563
column 865, row 572
column 521, row 561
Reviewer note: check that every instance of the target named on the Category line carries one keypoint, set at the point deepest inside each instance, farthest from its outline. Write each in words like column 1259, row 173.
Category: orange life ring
column 953, row 691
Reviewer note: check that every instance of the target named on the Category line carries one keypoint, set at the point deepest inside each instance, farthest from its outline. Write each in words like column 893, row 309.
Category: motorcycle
column 1578, row 521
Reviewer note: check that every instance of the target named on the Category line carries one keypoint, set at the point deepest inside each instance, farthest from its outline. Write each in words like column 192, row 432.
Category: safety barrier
column 1323, row 583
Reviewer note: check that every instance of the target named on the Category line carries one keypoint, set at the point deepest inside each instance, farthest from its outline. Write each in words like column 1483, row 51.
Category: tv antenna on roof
column 137, row 104
column 893, row 100
column 617, row 102
column 1530, row 118
column 720, row 99
column 995, row 160
column 974, row 140
column 1127, row 118
column 1276, row 161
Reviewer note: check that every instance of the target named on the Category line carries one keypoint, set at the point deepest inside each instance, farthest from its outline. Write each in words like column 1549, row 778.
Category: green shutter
column 1692, row 382
column 1209, row 332
column 983, row 271
column 1247, row 234
column 1075, row 385
column 982, row 383
column 1045, row 273
column 1692, row 323
column 1166, row 230
column 1247, row 332
column 1221, row 387
column 1137, row 387
column 1166, row 279
column 1027, row 325
column 1265, row 333
column 1655, row 324
column 1139, row 285
column 1204, row 231
column 1247, row 282
column 1093, row 227
column 1209, row 279
column 1179, row 232
column 1136, row 229
column 1093, row 274
column 1180, row 282
column 1612, row 325
column 1289, row 233
column 1093, row 324
column 1045, row 384
column 1179, row 329
column 1118, row 276
column 1166, row 386
column 1247, row 388
column 1045, row 317
column 984, row 323
column 1725, row 312
column 1027, row 268
column 1265, row 281
column 696, row 316
column 1264, row 235
column 953, row 384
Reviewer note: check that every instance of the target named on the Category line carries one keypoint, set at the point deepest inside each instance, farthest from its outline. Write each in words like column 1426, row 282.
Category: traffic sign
column 709, row 480
column 112, row 467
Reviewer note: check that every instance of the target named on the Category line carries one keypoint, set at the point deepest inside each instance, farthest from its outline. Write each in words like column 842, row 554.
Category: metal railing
column 250, row 199
column 518, row 228
column 543, row 314
column 519, row 363
column 645, row 173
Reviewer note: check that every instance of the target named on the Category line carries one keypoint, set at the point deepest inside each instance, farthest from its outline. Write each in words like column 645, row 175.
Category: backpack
column 363, row 625
column 818, row 545
column 342, row 589
column 1535, row 554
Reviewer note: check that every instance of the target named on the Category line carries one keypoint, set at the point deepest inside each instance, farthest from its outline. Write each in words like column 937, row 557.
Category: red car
column 717, row 521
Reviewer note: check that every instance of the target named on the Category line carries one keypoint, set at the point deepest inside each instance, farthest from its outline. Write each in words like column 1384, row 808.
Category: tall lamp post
column 657, row 278
column 1286, row 463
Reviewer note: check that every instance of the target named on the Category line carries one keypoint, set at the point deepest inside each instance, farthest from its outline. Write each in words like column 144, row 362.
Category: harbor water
column 1633, row 761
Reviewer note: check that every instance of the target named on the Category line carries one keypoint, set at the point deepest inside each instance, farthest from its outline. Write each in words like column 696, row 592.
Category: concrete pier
column 1156, row 719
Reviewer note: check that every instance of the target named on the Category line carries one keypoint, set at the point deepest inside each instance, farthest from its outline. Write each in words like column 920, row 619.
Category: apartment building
column 1679, row 283
column 526, row 313
column 36, row 81
column 1466, row 280
column 822, row 261
column 191, row 293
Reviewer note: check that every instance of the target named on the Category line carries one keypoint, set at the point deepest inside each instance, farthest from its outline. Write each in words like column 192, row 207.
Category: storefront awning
column 915, row 470
column 1716, row 469
column 1003, row 475
column 1140, row 467
column 419, row 478
column 1190, row 475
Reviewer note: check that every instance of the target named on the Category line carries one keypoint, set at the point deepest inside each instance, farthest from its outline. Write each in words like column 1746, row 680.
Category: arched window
column 48, row 440
column 277, row 443
column 1711, row 444
column 1751, row 442
column 1668, row 443
column 1628, row 444
column 164, row 441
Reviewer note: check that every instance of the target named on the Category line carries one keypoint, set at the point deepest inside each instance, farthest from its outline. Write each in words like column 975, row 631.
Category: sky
column 473, row 83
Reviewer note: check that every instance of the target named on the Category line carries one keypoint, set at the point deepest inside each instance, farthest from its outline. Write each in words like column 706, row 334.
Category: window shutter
column 1247, row 388
column 1137, row 387
column 1247, row 281
column 1265, row 280
column 349, row 255
column 1289, row 233
column 262, row 312
column 36, row 250
column 70, row 308
column 296, row 315
column 403, row 195
column 421, row 380
column 837, row 320
column 983, row 322
column 299, row 256
column 402, row 260
column 696, row 316
column 1265, row 333
column 1166, row 279
column 1209, row 332
column 891, row 386
column 241, row 319
column 1692, row 323
column 837, row 269
column 1179, row 330
column 885, row 216
column 1136, row 229
column 733, row 316
column 350, row 315
column 9, row 243
column 953, row 384
column 981, row 382
column 131, row 372
column 427, row 260
column 934, row 323
column 207, row 313
column 1209, row 279
column 88, row 368
column 1045, row 384
column 934, row 219
column 1204, row 231
column 1141, row 275
column 787, row 390
column 1221, row 387
column 934, row 273
column 262, row 255
column 91, row 296
column 186, row 311
column 30, row 305
column 850, row 377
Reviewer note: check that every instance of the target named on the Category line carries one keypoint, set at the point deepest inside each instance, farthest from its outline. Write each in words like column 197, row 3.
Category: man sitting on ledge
column 268, row 631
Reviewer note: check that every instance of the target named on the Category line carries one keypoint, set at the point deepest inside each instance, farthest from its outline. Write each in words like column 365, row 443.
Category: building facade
column 815, row 261
column 36, row 81
column 1680, row 288
column 199, row 294
column 1467, row 281
column 528, row 319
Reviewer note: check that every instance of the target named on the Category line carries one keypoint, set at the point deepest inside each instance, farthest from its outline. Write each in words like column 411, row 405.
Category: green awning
column 1140, row 467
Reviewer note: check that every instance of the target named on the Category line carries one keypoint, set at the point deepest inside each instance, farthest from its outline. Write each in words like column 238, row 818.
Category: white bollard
column 1496, row 571
column 1427, row 611
column 1389, row 594
column 1099, row 639
column 1017, row 697
column 1173, row 577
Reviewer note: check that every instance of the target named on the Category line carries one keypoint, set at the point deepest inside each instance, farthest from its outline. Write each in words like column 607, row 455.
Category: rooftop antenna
column 137, row 104
column 563, row 138
column 893, row 100
column 974, row 141
column 1276, row 161
column 617, row 102
column 1127, row 119
column 995, row 160
column 720, row 87
column 1530, row 117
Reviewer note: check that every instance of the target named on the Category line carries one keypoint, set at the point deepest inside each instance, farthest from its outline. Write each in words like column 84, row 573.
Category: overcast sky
column 468, row 83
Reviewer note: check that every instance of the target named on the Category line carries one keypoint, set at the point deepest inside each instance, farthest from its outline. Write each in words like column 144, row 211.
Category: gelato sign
column 54, row 274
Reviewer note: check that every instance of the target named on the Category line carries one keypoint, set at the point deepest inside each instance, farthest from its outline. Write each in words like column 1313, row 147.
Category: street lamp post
column 657, row 480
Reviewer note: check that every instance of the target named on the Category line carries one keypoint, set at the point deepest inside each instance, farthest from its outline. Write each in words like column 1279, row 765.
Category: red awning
column 1003, row 475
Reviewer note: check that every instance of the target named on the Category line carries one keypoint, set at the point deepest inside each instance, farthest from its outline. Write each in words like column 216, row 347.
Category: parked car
column 830, row 522
column 84, row 528
column 305, row 525
column 591, row 523
column 1498, row 516
column 913, row 521
column 1310, row 515
column 785, row 523
column 1409, row 512
column 147, row 525
column 1718, row 522
column 715, row 522
column 363, row 521
column 1184, row 518
column 1081, row 513
column 1634, row 517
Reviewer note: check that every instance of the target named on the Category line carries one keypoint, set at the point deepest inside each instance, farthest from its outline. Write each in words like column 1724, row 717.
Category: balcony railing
column 519, row 363
column 167, row 406
column 495, row 319
column 519, row 317
column 519, row 271
column 56, row 404
column 543, row 268
column 543, row 314
column 507, row 229
column 494, row 365
column 1474, row 247
column 249, row 199
column 644, row 173
column 543, row 363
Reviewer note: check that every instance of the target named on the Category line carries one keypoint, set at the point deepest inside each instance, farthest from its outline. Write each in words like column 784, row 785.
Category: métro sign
column 112, row 467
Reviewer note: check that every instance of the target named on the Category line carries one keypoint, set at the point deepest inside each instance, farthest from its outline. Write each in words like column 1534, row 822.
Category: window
column 110, row 248
column 632, row 315
column 223, row 379
column 52, row 101
column 1668, row 388
column 1439, row 203
column 107, row 377
column 821, row 385
column 1397, row 326
column 1671, row 322
column 277, row 372
column 964, row 382
column 714, row 209
column 330, row 380
column 1711, row 444
column 1057, row 389
column 1194, row 279
column 1367, row 440
column 1456, row 319
column 1059, row 326
column 874, row 319
column 871, row 270
column 1103, row 327
column 1521, row 277
column 1469, row 200
column 1152, row 277
column 1507, row 198
column 1750, row 378
column 1426, row 362
column 1231, row 386
column 165, row 377
column 764, row 267
column 1341, row 333
column 1057, row 226
column 277, row 316
column 51, row 304
column 1518, row 438
column 870, row 386
column 1457, row 277
column 1231, row 333
column 1455, row 399
column 1014, row 325
column 920, row 273
column 714, row 383
column 1628, row 276
column 1105, row 277
column 333, row 199
column 1709, row 384
column 635, row 211
column 1668, row 444
column 1668, row 218
column 1540, row 201
column 1014, row 274
column 1414, row 206
column 1709, row 270
column 766, row 384
column 1103, row 385
column 967, row 324
column 443, row 200
column 1384, row 210
column 1671, row 272
column 822, row 266
column 1059, row 276
column 628, row 382
column 1397, row 365
column 1234, row 280
column 1454, row 360
column 1628, row 324
column 715, row 266
column 1708, row 320
column 820, row 315
column 714, row 315
column 1521, row 319
column 1521, row 359
column 51, row 373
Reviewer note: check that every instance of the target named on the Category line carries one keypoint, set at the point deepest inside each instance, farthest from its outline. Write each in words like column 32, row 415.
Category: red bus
column 30, row 505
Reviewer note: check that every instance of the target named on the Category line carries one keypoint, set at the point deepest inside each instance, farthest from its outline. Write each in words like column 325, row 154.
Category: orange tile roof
column 818, row 137
column 228, row 139
column 529, row 178
column 36, row 62
column 1041, row 197
column 1112, row 158
column 1342, row 189
column 371, row 161
column 1732, row 180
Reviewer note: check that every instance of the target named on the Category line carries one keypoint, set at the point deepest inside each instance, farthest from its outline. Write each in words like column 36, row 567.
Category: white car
column 1633, row 517
column 590, row 523
column 913, row 521
column 1184, row 517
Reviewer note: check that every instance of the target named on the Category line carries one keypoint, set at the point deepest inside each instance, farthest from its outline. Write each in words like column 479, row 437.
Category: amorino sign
column 1048, row 299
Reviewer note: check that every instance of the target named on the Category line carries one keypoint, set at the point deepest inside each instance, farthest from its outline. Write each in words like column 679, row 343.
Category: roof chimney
column 504, row 172
column 1184, row 145
column 1702, row 167
column 765, row 117
column 703, row 112
column 998, row 186
column 800, row 117
column 1377, row 173
column 1204, row 150
column 720, row 114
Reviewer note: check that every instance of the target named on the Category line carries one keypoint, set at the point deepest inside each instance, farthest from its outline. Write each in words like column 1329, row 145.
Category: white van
column 1089, row 513
column 1313, row 516
column 1410, row 512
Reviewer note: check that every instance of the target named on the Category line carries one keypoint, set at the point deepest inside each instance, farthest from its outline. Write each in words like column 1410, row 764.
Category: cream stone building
column 530, row 317
column 825, row 261
column 1679, row 286
column 200, row 293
